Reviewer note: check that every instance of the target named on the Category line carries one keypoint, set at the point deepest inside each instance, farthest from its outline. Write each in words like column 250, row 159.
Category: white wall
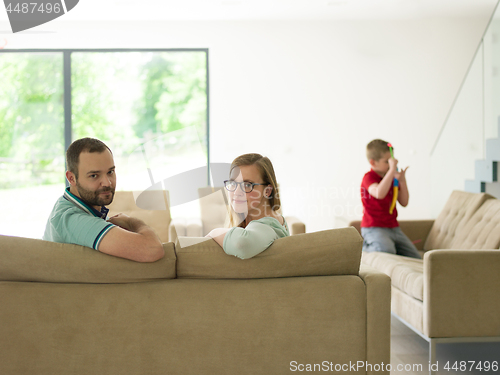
column 473, row 119
column 311, row 94
column 462, row 140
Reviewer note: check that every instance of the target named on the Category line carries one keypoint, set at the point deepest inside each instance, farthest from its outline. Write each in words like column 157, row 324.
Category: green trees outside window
column 125, row 98
column 31, row 119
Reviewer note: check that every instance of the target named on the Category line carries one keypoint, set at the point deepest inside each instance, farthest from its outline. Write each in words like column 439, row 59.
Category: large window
column 149, row 106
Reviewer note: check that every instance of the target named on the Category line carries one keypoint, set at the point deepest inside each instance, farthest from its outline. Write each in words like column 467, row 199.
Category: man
column 79, row 216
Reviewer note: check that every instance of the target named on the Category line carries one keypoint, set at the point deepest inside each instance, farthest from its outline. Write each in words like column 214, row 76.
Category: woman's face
column 246, row 202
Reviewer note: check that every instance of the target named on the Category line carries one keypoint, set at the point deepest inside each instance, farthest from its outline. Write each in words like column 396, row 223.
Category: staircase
column 486, row 171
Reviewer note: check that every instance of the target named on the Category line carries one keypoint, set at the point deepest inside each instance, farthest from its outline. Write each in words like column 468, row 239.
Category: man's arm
column 132, row 239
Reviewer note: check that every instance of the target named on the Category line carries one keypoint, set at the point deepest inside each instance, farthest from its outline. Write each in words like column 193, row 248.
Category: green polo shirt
column 73, row 221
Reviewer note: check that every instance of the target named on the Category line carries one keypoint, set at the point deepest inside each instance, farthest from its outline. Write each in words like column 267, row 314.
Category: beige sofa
column 67, row 309
column 453, row 294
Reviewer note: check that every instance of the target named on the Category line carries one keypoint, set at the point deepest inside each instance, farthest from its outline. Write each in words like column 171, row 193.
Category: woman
column 255, row 218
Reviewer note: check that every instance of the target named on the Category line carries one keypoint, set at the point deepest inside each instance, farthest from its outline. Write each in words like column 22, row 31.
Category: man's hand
column 131, row 239
column 122, row 220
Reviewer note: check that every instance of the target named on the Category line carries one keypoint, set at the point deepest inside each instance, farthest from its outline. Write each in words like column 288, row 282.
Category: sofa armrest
column 416, row 230
column 462, row 293
column 356, row 224
column 295, row 225
column 378, row 307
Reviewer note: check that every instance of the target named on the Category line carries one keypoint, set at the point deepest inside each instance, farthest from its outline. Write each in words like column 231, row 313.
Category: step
column 493, row 149
column 485, row 171
column 493, row 189
column 474, row 186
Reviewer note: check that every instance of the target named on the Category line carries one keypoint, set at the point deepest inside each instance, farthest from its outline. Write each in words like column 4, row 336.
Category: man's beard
column 93, row 198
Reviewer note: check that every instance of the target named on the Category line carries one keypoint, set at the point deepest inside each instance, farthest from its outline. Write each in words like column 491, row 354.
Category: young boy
column 379, row 228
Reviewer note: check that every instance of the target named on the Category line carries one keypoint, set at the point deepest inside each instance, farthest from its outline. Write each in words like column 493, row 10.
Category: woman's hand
column 218, row 235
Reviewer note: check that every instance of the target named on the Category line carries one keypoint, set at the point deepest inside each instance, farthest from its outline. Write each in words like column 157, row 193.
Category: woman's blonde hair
column 266, row 170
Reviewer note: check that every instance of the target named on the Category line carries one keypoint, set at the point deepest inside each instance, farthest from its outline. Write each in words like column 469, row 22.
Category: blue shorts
column 388, row 240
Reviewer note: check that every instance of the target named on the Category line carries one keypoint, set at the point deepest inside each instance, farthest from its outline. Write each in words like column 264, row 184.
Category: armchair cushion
column 184, row 227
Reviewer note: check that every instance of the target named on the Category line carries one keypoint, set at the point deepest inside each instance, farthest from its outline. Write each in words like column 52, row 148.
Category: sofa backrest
column 455, row 215
column 27, row 259
column 329, row 252
column 482, row 231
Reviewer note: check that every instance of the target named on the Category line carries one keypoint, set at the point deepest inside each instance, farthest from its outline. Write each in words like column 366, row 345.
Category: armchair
column 150, row 206
column 213, row 211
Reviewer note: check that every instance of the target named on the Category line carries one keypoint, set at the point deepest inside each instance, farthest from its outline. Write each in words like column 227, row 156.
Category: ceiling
column 275, row 9
column 121, row 10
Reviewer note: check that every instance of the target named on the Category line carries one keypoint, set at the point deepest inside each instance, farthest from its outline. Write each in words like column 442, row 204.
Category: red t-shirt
column 376, row 211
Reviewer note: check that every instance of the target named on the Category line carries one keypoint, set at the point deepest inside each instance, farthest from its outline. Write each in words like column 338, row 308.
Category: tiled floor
column 411, row 353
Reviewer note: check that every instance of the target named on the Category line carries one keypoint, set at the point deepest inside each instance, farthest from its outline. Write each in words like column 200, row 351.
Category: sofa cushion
column 407, row 274
column 458, row 210
column 329, row 252
column 27, row 259
column 482, row 231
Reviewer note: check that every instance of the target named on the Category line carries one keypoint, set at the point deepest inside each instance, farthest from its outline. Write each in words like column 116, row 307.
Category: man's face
column 96, row 178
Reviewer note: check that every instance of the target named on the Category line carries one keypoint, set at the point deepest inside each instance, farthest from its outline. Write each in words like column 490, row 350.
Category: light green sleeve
column 247, row 242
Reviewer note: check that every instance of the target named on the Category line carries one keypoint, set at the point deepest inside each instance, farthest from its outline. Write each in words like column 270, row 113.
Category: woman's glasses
column 247, row 187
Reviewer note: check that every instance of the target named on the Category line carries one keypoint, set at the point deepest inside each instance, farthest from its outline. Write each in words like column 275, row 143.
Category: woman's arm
column 247, row 242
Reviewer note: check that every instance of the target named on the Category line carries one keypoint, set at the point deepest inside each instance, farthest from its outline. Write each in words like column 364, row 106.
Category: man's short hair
column 79, row 146
column 376, row 149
